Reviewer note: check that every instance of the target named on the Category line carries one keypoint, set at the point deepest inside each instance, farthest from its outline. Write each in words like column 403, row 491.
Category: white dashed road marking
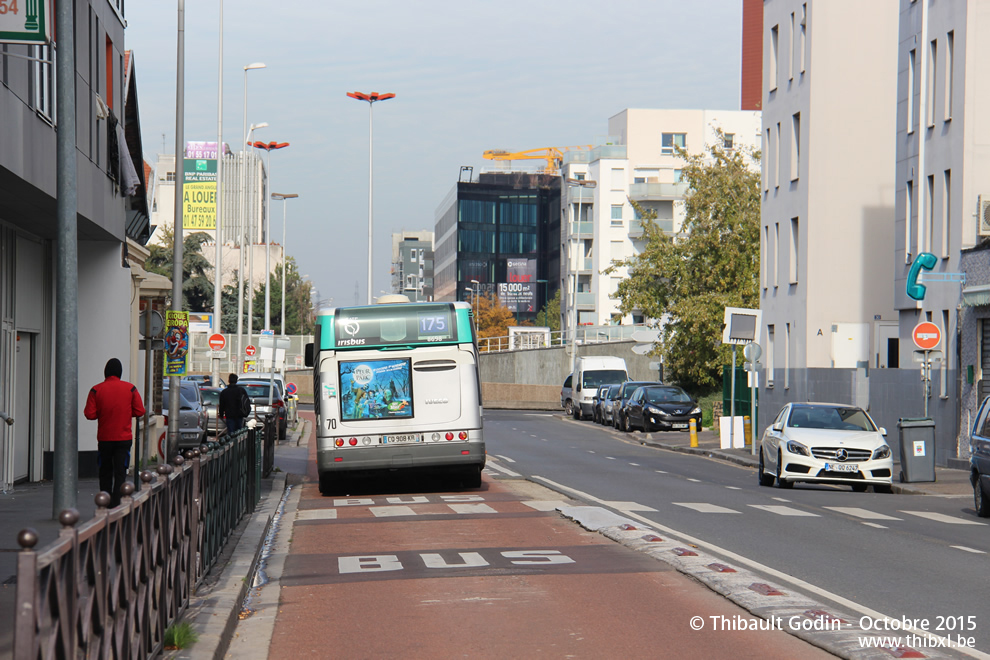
column 471, row 508
column 783, row 510
column 389, row 511
column 704, row 507
column 878, row 526
column 317, row 514
column 941, row 517
column 861, row 513
column 965, row 549
column 504, row 458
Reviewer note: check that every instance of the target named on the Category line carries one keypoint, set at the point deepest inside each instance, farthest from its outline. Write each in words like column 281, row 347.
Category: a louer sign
column 26, row 21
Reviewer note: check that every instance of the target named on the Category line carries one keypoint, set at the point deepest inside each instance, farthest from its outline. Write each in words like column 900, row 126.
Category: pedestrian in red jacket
column 112, row 404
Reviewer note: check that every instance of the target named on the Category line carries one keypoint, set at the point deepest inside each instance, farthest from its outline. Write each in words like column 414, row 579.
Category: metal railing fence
column 590, row 334
column 111, row 586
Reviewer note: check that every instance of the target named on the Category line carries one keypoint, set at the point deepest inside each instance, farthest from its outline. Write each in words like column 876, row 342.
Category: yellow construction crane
column 553, row 155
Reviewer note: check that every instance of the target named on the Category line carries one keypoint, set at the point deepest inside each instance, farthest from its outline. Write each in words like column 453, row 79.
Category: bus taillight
column 449, row 436
column 339, row 442
column 352, row 442
column 462, row 435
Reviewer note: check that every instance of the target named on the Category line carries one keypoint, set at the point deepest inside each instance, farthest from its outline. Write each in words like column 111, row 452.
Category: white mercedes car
column 825, row 443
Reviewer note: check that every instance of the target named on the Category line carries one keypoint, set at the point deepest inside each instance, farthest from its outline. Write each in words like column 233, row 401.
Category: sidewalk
column 948, row 481
column 30, row 505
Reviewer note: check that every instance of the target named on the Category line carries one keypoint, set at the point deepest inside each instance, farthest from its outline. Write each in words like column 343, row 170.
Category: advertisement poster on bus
column 519, row 292
column 199, row 186
column 176, row 343
column 375, row 389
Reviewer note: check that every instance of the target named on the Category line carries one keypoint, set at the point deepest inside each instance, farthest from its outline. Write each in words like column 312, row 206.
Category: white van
column 589, row 373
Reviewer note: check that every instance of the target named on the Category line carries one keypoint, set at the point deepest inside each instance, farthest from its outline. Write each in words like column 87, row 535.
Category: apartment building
column 943, row 197
column 112, row 228
column 639, row 162
column 412, row 264
column 828, row 138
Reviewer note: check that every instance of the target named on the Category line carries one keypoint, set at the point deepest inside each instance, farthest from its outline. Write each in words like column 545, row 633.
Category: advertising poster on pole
column 176, row 343
column 199, row 186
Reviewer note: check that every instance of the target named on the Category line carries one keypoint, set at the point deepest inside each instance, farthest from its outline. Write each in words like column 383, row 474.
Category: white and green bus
column 396, row 387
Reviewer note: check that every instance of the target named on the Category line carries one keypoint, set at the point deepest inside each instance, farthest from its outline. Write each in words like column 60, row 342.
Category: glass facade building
column 500, row 235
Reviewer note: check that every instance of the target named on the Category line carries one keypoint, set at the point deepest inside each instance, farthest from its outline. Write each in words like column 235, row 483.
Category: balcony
column 635, row 229
column 582, row 230
column 585, row 265
column 608, row 151
column 580, row 194
column 657, row 192
column 586, row 300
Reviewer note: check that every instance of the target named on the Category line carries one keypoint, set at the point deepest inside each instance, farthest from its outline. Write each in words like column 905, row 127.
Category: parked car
column 979, row 461
column 192, row 413
column 258, row 391
column 202, row 380
column 661, row 408
column 608, row 403
column 566, row 392
column 625, row 391
column 591, row 372
column 211, row 401
column 825, row 443
column 596, row 403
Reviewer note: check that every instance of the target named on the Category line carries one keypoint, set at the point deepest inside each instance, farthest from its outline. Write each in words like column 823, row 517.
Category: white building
column 828, row 187
column 637, row 162
column 412, row 264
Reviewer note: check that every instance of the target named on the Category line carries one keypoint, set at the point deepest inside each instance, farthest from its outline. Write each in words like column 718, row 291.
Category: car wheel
column 765, row 479
column 626, row 424
column 980, row 499
column 859, row 488
column 569, row 408
column 782, row 483
column 577, row 412
column 886, row 489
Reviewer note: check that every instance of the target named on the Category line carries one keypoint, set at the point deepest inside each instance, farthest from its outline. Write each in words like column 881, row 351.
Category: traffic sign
column 250, row 350
column 217, row 341
column 291, row 388
column 216, row 354
column 642, row 349
column 926, row 335
column 644, row 336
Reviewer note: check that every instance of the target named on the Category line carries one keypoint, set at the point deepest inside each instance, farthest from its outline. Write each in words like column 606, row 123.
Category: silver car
column 192, row 413
column 211, row 401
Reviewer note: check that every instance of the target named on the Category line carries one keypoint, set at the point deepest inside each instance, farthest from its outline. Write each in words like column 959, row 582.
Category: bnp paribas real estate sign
column 199, row 186
column 26, row 21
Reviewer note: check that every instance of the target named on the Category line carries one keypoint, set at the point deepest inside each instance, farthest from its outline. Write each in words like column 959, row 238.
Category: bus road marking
column 545, row 505
column 504, row 458
column 471, row 508
column 389, row 511
column 506, row 471
column 316, row 514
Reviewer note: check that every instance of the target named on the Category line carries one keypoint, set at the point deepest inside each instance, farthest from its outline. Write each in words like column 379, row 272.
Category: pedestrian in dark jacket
column 113, row 404
column 231, row 406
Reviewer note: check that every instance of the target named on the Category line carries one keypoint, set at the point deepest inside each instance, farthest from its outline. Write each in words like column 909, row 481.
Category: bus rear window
column 375, row 389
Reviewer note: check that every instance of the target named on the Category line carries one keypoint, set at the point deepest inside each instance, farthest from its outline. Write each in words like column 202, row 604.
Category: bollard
column 693, row 425
column 748, row 430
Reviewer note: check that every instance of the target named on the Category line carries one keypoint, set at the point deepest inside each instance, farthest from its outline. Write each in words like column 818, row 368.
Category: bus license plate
column 841, row 467
column 402, row 439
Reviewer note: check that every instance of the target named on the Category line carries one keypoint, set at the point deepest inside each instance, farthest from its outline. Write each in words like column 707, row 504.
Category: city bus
column 396, row 387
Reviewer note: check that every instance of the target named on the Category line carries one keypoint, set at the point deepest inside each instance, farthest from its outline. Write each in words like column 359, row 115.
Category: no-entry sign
column 926, row 335
column 217, row 342
column 250, row 350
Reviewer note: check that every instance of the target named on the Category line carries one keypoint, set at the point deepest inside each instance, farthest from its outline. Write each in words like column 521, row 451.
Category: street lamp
column 283, row 197
column 218, row 224
column 268, row 225
column 244, row 217
column 371, row 99
column 250, row 281
column 572, row 269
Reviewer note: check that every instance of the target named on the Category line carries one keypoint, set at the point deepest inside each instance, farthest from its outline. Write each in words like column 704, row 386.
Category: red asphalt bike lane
column 479, row 574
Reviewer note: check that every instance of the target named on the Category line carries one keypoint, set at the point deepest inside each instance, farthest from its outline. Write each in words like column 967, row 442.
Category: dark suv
column 979, row 445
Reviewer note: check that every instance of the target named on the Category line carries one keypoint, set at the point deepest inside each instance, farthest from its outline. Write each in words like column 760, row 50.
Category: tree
column 197, row 285
column 549, row 316
column 298, row 312
column 689, row 280
column 492, row 317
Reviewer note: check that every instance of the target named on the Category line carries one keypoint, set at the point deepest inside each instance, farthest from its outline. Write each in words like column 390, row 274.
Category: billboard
column 199, row 186
column 375, row 389
column 176, row 343
column 518, row 293
column 29, row 23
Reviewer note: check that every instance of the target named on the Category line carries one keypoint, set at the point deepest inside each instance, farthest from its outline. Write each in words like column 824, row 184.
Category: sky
column 468, row 76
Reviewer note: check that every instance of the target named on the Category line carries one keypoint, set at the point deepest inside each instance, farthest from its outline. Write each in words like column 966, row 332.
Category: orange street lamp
column 269, row 147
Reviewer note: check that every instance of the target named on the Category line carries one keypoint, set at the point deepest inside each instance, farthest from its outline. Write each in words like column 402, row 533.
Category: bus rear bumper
column 419, row 457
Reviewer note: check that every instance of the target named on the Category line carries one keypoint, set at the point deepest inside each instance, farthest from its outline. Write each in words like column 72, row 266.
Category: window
column 617, row 215
column 767, row 163
column 776, row 158
column 618, row 178
column 931, row 87
column 639, row 179
column 912, row 73
column 677, row 176
column 930, row 230
column 410, row 281
column 791, row 42
column 43, row 80
column 949, row 57
column 770, row 365
column 943, row 386
column 579, row 176
column 766, row 256
column 108, row 47
column 909, row 247
column 617, row 251
column 670, row 140
column 803, row 36
column 728, row 141
column 795, row 146
column 774, row 59
column 170, row 177
column 787, row 356
column 946, row 211
column 795, row 247
column 776, row 253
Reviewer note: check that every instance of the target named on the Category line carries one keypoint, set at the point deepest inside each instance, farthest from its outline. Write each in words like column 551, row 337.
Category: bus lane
column 491, row 573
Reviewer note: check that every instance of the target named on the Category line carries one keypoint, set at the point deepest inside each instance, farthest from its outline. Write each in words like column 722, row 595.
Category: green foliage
column 688, row 280
column 298, row 311
column 180, row 636
column 549, row 316
column 197, row 283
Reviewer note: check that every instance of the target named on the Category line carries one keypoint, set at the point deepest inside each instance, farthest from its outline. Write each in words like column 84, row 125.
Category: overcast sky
column 468, row 76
